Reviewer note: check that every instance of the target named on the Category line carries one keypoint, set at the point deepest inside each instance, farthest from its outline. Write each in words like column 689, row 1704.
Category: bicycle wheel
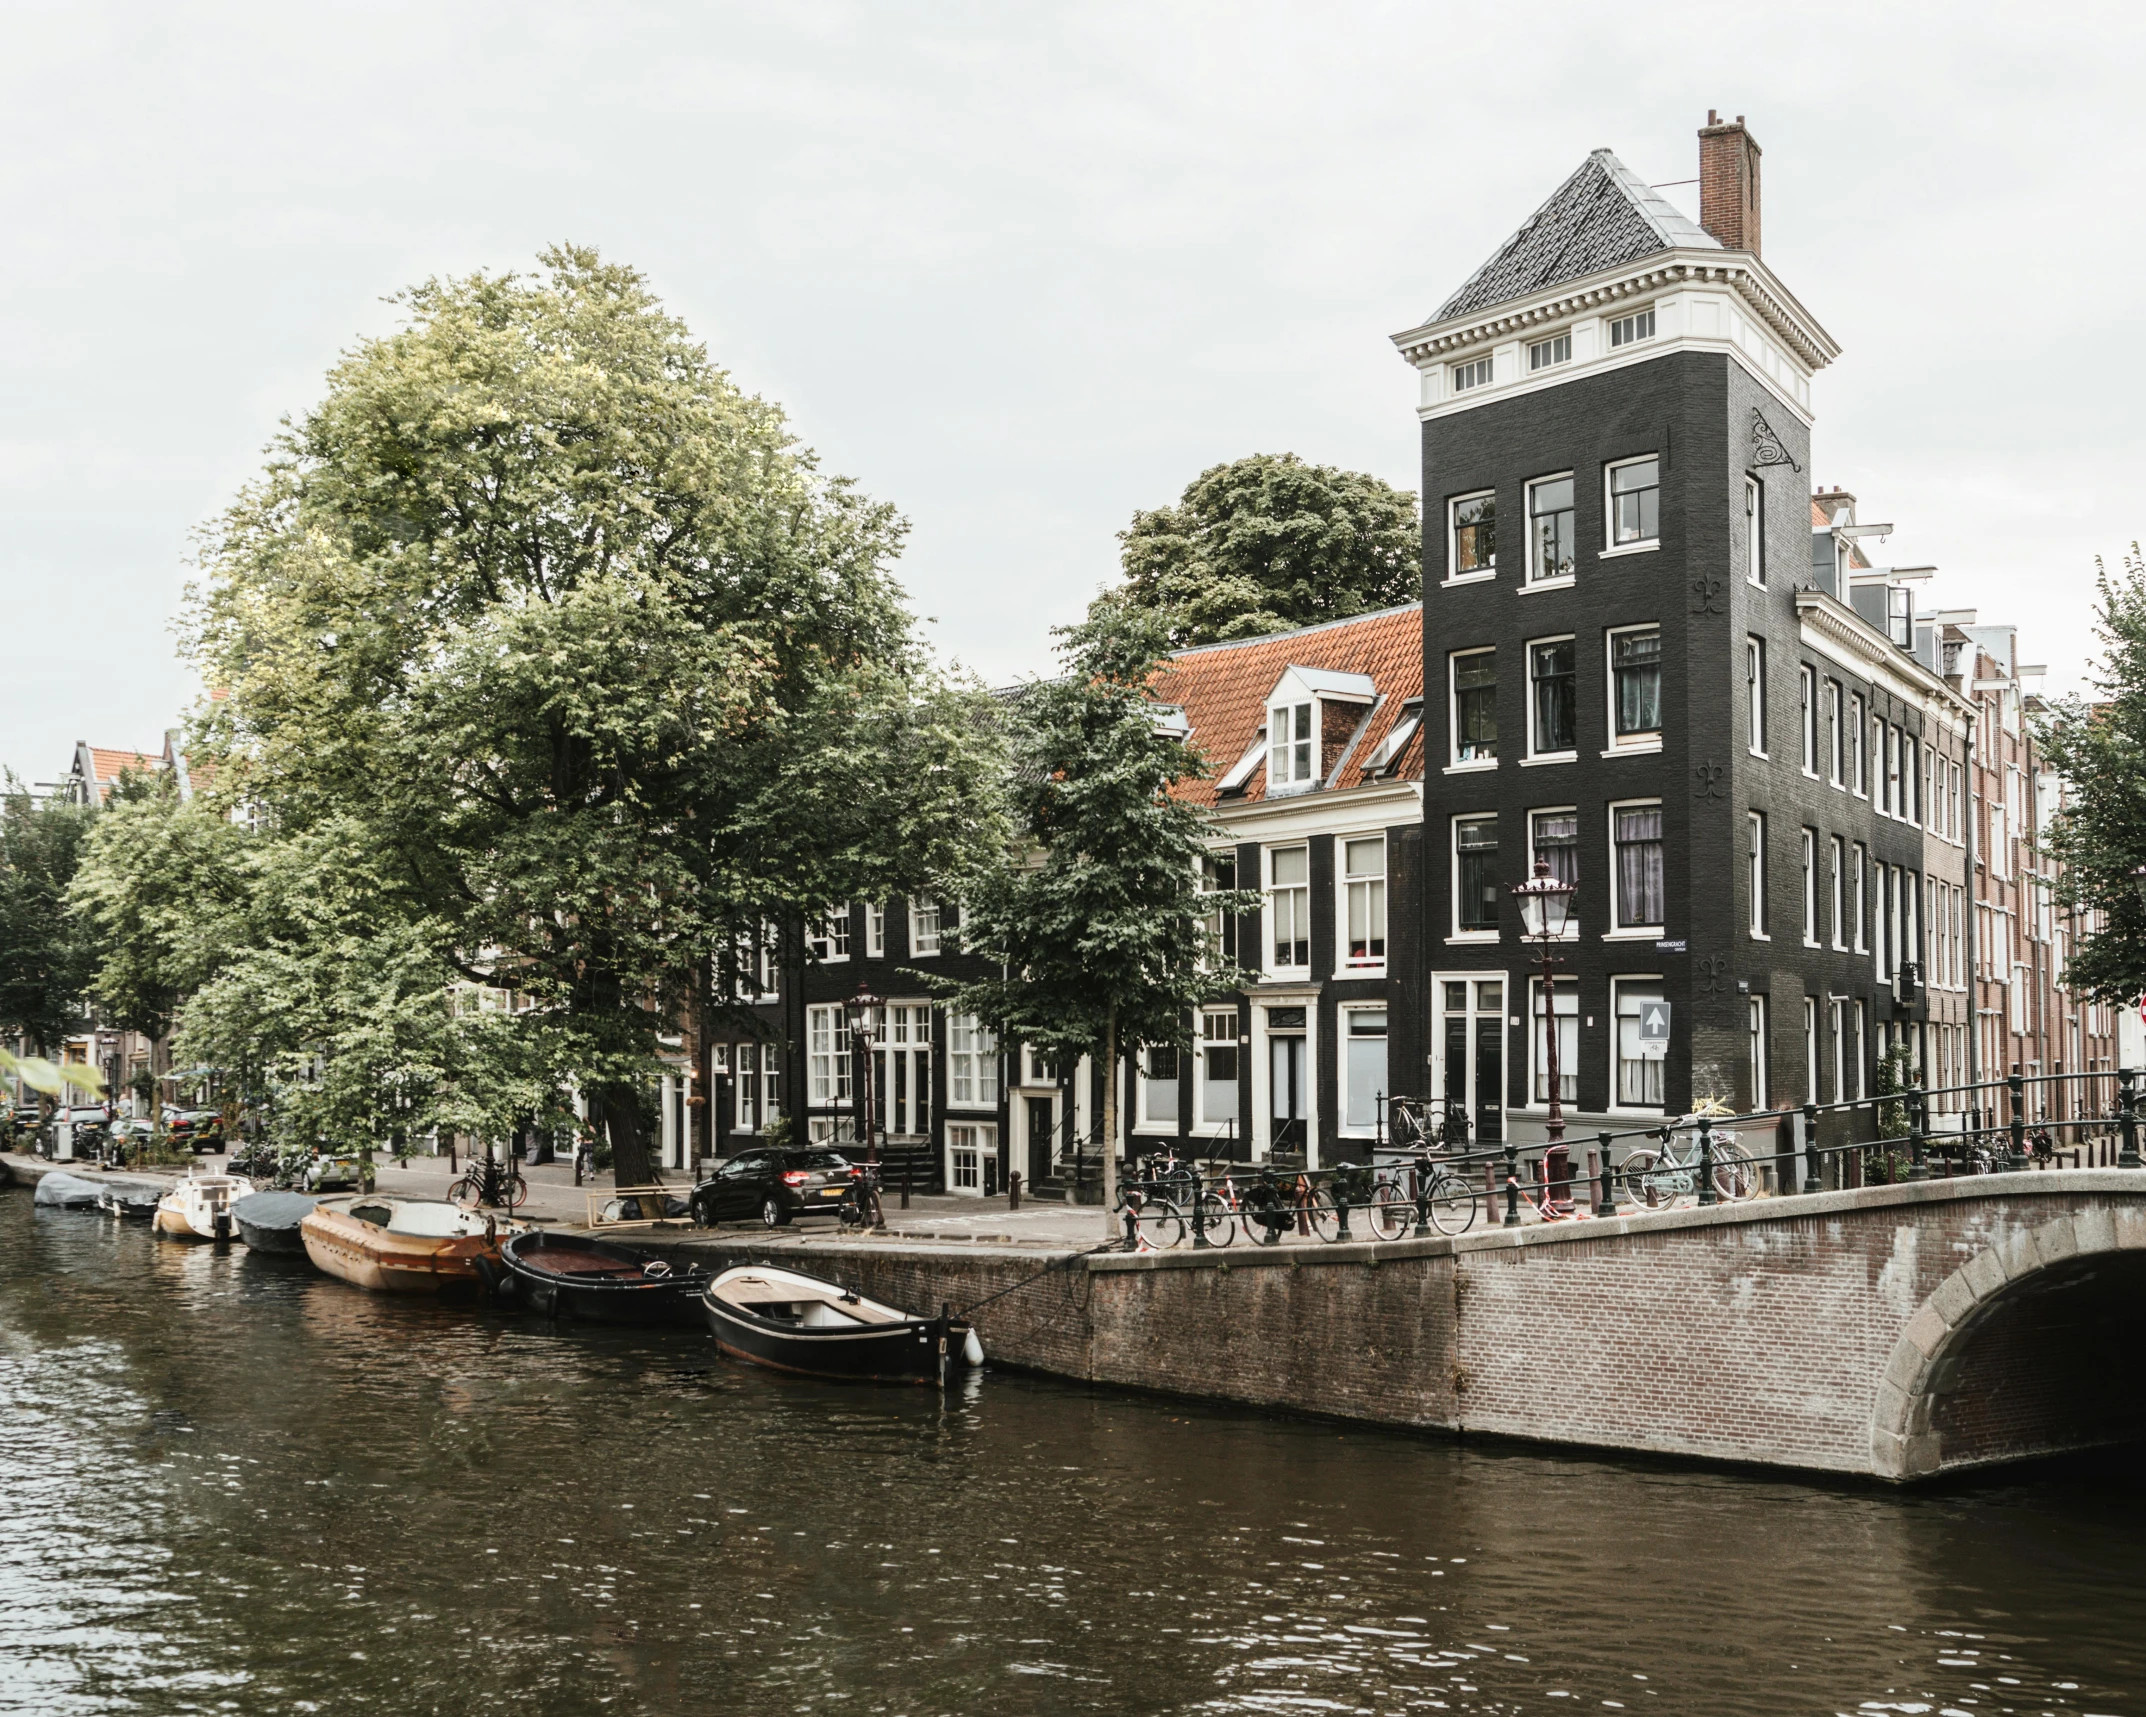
column 513, row 1190
column 1159, row 1222
column 1452, row 1204
column 1325, row 1212
column 1220, row 1220
column 1653, row 1186
column 466, row 1192
column 1734, row 1176
column 1393, row 1212
column 1266, row 1215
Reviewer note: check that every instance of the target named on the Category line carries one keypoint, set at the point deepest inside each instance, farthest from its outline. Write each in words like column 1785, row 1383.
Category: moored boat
column 580, row 1276
column 130, row 1201
column 199, row 1207
column 793, row 1322
column 268, row 1221
column 402, row 1245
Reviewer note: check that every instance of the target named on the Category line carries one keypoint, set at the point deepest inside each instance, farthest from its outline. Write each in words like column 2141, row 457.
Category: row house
column 1658, row 668
column 2025, row 1020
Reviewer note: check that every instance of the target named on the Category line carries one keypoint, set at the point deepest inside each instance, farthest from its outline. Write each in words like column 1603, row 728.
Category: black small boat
column 130, row 1201
column 268, row 1221
column 577, row 1276
column 794, row 1322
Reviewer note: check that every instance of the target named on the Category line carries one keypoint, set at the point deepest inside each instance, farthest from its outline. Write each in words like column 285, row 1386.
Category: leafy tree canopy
column 2099, row 836
column 567, row 645
column 45, row 959
column 1266, row 543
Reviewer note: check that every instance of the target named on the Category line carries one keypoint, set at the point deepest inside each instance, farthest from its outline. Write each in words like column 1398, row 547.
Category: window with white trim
column 875, row 931
column 1755, row 696
column 1289, row 908
column 1836, row 739
column 1639, row 1083
column 1838, row 893
column 1292, row 746
column 1754, row 530
column 1568, row 1043
column 1755, row 871
column 1215, row 1091
column 1553, row 698
column 1810, row 1049
column 1861, row 773
column 1475, row 706
column 1363, row 1071
column 1636, row 855
column 1634, row 502
column 1630, row 329
column 1755, row 1017
column 968, row 1143
column 1551, row 536
column 1545, row 354
column 1807, row 678
column 1473, row 524
column 1810, row 888
column 827, row 1057
column 1363, row 900
column 1858, row 864
column 827, row 938
column 971, row 1063
column 1218, row 874
column 1158, row 1085
column 1635, row 654
column 1475, row 373
column 902, row 1086
column 923, row 927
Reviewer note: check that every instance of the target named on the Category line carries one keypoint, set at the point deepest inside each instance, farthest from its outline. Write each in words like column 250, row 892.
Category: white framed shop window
column 968, row 1144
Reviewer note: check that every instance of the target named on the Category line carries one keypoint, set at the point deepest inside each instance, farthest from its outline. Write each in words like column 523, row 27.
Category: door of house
column 1287, row 1095
column 1041, row 1129
column 1471, row 1052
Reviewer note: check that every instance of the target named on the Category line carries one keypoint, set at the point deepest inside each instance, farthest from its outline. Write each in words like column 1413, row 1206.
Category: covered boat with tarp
column 577, row 1275
column 268, row 1221
column 790, row 1321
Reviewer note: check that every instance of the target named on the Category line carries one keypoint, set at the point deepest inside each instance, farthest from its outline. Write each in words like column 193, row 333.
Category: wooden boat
column 199, row 1207
column 268, row 1221
column 130, row 1203
column 578, row 1276
column 402, row 1245
column 794, row 1322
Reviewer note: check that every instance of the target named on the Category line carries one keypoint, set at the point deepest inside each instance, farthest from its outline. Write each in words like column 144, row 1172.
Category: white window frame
column 1627, row 330
column 1618, row 928
column 1270, row 922
column 1617, row 984
column 1760, row 1048
column 1533, row 578
column 1638, row 545
column 1550, row 351
column 1858, row 899
column 875, row 930
column 1837, row 850
column 827, row 940
column 1219, row 1028
column 1810, row 887
column 1754, row 530
column 972, row 1063
column 1810, row 1049
column 1453, row 827
column 1571, row 932
column 968, row 1143
column 1755, row 873
column 924, row 927
column 1620, row 745
column 1837, row 744
column 1346, row 888
column 1454, row 761
column 1755, row 695
column 827, row 1056
column 1540, row 1022
column 1472, row 373
column 1286, row 748
column 1344, row 1015
column 1535, row 752
column 1859, row 741
column 1807, row 686
column 1475, row 575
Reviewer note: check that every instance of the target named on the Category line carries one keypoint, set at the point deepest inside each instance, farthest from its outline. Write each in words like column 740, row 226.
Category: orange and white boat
column 199, row 1207
column 403, row 1245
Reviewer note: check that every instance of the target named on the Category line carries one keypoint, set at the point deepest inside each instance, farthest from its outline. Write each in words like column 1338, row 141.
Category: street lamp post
column 863, row 1010
column 1545, row 907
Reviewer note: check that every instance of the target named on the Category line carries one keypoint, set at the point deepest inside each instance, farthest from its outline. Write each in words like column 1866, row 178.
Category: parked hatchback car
column 196, row 1130
column 775, row 1185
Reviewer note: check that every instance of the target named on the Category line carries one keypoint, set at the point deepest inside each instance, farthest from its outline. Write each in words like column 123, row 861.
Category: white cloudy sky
column 1023, row 268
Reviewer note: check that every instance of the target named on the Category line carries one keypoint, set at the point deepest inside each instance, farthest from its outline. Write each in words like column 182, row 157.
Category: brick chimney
column 1729, row 183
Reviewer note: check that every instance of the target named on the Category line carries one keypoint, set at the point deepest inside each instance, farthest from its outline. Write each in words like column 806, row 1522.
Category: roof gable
column 1603, row 216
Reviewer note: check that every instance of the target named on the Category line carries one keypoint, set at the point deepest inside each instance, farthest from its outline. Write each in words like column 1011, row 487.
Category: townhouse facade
column 1658, row 669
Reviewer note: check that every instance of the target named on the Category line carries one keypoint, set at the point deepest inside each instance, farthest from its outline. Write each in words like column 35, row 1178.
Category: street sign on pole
column 1653, row 1030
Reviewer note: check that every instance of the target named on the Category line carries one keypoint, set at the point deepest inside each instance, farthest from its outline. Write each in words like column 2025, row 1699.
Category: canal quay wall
column 1894, row 1332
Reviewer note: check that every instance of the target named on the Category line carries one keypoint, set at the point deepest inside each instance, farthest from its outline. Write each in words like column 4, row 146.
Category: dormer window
column 1290, row 754
column 1630, row 330
column 1475, row 373
column 1557, row 349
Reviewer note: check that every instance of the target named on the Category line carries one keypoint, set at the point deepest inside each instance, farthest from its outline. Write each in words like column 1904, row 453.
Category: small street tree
column 1269, row 542
column 1096, row 916
column 45, row 959
column 2098, row 838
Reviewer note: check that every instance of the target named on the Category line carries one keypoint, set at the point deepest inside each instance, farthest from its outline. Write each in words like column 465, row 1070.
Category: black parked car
column 774, row 1185
column 196, row 1130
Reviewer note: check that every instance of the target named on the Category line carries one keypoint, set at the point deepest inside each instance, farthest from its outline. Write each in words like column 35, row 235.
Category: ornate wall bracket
column 1766, row 448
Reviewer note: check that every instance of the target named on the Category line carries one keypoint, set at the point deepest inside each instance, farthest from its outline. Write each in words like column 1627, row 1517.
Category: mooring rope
column 1055, row 1264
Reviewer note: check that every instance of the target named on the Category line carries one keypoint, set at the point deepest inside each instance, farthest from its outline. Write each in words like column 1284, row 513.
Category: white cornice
column 1750, row 279
column 1847, row 636
column 1343, row 810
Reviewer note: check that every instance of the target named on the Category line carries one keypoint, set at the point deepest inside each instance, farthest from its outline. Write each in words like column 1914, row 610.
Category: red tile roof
column 1223, row 689
column 110, row 765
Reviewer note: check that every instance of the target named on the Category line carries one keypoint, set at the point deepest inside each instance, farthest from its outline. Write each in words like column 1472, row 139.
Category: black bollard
column 2018, row 1088
column 1606, row 1187
column 1013, row 1190
column 1813, row 1165
column 1199, row 1211
column 1419, row 1185
column 2127, row 1118
column 1512, row 1184
column 1707, row 1194
column 1918, row 1167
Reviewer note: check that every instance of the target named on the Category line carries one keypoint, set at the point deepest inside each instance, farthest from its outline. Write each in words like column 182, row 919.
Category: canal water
column 231, row 1485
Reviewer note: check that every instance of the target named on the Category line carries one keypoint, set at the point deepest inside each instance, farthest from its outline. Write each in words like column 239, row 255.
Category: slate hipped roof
column 1604, row 216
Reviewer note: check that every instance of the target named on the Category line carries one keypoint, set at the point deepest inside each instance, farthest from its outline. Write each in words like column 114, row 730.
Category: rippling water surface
column 233, row 1485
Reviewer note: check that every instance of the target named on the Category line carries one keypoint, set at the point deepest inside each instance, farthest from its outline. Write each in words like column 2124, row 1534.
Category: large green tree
column 1096, row 915
column 45, row 959
column 576, row 651
column 2098, row 838
column 1268, row 542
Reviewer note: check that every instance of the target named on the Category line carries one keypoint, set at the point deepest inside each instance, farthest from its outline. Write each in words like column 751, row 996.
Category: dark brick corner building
column 1652, row 661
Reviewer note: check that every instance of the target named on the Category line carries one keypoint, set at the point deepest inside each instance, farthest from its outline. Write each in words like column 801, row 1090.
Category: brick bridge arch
column 2030, row 1347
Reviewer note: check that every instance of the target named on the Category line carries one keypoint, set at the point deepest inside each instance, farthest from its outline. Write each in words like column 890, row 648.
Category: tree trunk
column 1110, row 1127
column 629, row 1150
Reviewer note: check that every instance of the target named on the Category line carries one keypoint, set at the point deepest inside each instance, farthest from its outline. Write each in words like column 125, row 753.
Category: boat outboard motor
column 223, row 1227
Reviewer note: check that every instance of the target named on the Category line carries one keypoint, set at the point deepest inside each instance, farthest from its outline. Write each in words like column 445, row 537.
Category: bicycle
column 860, row 1207
column 490, row 1183
column 1448, row 1199
column 1152, row 1221
column 1657, row 1179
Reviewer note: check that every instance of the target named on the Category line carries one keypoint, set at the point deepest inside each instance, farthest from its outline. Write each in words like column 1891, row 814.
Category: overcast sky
column 1020, row 269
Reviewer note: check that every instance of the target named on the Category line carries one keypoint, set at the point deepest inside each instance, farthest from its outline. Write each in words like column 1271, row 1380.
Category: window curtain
column 1639, row 866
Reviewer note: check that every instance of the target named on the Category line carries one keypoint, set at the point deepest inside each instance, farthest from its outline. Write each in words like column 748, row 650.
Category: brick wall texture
column 1894, row 1331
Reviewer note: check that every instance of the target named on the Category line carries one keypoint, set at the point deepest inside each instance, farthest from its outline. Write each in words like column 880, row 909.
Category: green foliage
column 1096, row 919
column 1266, row 543
column 45, row 959
column 2098, row 838
column 570, row 665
